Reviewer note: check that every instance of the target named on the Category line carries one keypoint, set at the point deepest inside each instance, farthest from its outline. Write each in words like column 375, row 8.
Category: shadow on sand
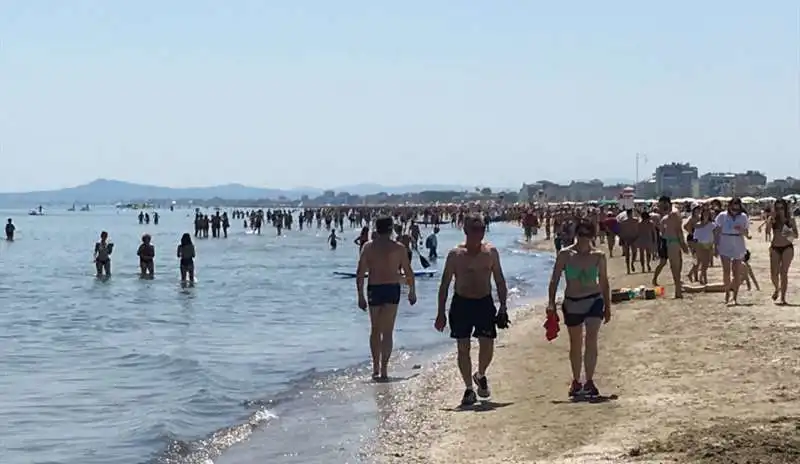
column 392, row 379
column 480, row 406
column 587, row 399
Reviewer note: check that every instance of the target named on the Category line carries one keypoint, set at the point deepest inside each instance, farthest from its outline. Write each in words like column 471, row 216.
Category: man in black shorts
column 473, row 264
column 380, row 263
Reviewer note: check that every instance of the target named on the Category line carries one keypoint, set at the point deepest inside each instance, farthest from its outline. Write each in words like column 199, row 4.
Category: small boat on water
column 33, row 212
column 85, row 208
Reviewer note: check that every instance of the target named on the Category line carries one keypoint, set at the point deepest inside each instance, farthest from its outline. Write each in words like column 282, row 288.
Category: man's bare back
column 383, row 260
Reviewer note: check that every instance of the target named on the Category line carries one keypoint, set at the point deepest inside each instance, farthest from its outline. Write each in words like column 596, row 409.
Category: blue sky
column 326, row 93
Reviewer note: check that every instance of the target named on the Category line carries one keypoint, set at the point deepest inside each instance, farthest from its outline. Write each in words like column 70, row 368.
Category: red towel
column 551, row 326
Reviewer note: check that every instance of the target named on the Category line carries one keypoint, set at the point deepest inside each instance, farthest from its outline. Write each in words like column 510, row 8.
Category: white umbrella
column 792, row 197
column 748, row 200
column 766, row 200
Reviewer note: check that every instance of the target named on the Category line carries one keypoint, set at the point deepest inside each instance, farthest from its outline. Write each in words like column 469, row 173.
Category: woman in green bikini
column 587, row 303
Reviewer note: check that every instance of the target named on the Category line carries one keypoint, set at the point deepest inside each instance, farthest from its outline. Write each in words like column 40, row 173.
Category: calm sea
column 265, row 360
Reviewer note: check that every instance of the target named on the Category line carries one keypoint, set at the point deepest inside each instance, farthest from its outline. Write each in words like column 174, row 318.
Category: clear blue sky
column 325, row 93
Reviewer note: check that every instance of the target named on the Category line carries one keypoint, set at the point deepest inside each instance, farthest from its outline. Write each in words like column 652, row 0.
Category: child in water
column 102, row 255
column 186, row 254
column 146, row 254
column 333, row 239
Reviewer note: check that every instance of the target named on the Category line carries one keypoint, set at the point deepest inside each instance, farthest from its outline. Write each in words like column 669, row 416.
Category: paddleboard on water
column 417, row 273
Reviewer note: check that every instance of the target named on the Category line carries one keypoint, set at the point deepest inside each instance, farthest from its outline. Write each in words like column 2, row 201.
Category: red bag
column 551, row 326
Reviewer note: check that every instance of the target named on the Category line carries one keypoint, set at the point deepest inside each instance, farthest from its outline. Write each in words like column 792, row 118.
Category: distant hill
column 106, row 191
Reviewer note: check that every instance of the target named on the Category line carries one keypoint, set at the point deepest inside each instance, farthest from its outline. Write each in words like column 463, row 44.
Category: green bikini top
column 586, row 276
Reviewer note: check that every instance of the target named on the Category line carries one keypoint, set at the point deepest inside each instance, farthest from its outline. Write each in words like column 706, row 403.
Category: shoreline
column 694, row 380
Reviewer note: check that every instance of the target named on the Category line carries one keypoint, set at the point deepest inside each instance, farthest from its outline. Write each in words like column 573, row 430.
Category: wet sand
column 689, row 380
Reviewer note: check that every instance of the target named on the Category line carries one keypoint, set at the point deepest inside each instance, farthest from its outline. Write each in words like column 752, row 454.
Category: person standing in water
column 432, row 244
column 473, row 264
column 587, row 304
column 102, row 255
column 10, row 229
column 362, row 238
column 147, row 255
column 379, row 263
column 186, row 254
column 333, row 239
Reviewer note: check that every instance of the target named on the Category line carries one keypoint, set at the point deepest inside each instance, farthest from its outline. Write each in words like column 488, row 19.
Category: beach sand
column 690, row 380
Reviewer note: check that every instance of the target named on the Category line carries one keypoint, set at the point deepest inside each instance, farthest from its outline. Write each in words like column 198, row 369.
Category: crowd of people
column 583, row 236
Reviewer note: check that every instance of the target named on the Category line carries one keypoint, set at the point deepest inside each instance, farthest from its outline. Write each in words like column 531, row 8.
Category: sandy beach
column 689, row 380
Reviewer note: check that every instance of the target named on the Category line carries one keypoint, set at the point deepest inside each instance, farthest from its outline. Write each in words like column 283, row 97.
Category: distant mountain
column 368, row 189
column 106, row 191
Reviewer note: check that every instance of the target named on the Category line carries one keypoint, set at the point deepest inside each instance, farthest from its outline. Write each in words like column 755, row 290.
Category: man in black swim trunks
column 381, row 260
column 473, row 264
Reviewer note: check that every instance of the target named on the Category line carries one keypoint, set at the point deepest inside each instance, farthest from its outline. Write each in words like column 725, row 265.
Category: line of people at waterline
column 185, row 253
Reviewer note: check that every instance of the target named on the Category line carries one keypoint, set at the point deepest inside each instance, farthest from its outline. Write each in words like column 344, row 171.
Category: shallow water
column 269, row 350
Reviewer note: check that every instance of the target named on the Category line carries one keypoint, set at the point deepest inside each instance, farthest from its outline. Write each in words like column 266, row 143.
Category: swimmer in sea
column 147, row 255
column 379, row 262
column 473, row 264
column 10, row 228
column 102, row 255
column 186, row 254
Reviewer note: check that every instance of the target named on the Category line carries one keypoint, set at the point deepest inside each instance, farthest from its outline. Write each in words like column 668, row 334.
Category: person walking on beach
column 473, row 264
column 628, row 234
column 781, row 248
column 380, row 262
column 672, row 244
column 732, row 227
column 701, row 227
column 587, row 304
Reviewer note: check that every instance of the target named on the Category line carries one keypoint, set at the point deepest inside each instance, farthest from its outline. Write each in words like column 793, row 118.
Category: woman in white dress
column 732, row 228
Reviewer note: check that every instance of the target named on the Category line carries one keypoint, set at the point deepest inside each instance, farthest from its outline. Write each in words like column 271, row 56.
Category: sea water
column 266, row 359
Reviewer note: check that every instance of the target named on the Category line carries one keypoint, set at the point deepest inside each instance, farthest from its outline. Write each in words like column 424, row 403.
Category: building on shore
column 750, row 183
column 544, row 191
column 677, row 180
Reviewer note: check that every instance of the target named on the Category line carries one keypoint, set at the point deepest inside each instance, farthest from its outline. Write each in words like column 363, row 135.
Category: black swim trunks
column 662, row 249
column 471, row 317
column 383, row 294
column 577, row 310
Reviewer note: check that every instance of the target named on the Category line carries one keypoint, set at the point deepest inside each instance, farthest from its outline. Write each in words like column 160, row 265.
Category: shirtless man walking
column 381, row 260
column 672, row 244
column 473, row 264
column 628, row 233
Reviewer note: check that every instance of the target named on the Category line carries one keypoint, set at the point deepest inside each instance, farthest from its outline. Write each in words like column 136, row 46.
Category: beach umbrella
column 748, row 200
column 792, row 197
column 766, row 200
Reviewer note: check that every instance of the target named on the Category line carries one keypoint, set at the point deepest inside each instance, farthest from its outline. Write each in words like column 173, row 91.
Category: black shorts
column 472, row 317
column 662, row 249
column 596, row 310
column 383, row 294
